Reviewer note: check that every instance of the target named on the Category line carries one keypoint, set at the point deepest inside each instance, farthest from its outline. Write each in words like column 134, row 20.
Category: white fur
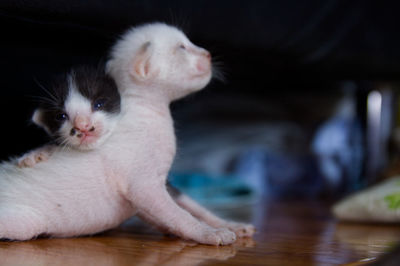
column 84, row 192
column 171, row 71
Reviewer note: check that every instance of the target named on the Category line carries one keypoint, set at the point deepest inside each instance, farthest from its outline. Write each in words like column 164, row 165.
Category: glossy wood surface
column 289, row 233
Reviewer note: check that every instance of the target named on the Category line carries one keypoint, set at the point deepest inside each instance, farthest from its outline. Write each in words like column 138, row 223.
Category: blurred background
column 309, row 105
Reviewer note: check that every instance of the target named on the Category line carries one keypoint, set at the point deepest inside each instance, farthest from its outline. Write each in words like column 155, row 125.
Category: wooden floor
column 289, row 233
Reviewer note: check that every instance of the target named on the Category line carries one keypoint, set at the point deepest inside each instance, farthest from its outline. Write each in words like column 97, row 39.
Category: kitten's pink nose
column 204, row 62
column 207, row 54
column 82, row 123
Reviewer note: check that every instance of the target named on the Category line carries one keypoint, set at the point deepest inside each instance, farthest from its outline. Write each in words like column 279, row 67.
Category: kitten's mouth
column 87, row 138
column 84, row 136
column 202, row 75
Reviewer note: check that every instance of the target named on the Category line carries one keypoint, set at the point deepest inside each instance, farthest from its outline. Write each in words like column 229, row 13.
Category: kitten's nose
column 204, row 63
column 207, row 54
column 83, row 124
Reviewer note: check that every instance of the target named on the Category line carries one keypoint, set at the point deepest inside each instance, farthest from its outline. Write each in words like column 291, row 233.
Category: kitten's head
column 162, row 57
column 81, row 110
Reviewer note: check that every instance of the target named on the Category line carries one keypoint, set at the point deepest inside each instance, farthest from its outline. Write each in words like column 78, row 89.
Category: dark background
column 288, row 51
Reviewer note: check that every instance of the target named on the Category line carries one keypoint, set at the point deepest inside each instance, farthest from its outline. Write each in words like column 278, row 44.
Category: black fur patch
column 53, row 105
column 92, row 83
column 95, row 85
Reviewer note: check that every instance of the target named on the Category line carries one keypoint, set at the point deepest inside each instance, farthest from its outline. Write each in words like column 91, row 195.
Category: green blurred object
column 379, row 203
column 393, row 201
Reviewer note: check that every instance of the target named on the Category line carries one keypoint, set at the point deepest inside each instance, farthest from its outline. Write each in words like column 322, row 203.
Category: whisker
column 179, row 20
column 51, row 95
column 218, row 73
column 64, row 145
column 60, row 140
column 218, row 69
column 42, row 99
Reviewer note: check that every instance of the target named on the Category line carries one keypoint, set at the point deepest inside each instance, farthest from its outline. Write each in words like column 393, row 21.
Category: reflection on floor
column 289, row 233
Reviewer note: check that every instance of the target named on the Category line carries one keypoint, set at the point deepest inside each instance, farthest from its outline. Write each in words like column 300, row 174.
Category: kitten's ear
column 37, row 119
column 142, row 68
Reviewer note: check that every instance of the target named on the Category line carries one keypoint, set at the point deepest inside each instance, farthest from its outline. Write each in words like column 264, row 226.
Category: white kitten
column 79, row 192
column 157, row 64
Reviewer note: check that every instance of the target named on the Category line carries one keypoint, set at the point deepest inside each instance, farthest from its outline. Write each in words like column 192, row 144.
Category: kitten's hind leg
column 201, row 213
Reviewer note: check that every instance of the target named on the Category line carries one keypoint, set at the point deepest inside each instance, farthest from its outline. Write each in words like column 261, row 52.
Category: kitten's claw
column 241, row 229
column 218, row 237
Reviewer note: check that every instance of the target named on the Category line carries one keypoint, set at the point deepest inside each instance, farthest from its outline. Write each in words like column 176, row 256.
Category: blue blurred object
column 214, row 191
column 338, row 145
column 334, row 165
column 270, row 158
column 252, row 170
column 271, row 174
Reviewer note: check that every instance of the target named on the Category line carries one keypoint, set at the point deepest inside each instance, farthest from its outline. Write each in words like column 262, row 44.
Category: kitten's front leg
column 35, row 156
column 198, row 211
column 156, row 205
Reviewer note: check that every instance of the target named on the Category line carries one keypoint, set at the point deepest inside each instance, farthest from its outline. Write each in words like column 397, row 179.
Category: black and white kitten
column 80, row 112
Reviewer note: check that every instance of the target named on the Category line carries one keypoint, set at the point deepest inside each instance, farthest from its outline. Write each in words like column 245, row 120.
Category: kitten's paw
column 27, row 160
column 217, row 237
column 31, row 158
column 241, row 229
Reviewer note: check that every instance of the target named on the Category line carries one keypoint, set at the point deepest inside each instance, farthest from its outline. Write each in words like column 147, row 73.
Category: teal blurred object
column 214, row 191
